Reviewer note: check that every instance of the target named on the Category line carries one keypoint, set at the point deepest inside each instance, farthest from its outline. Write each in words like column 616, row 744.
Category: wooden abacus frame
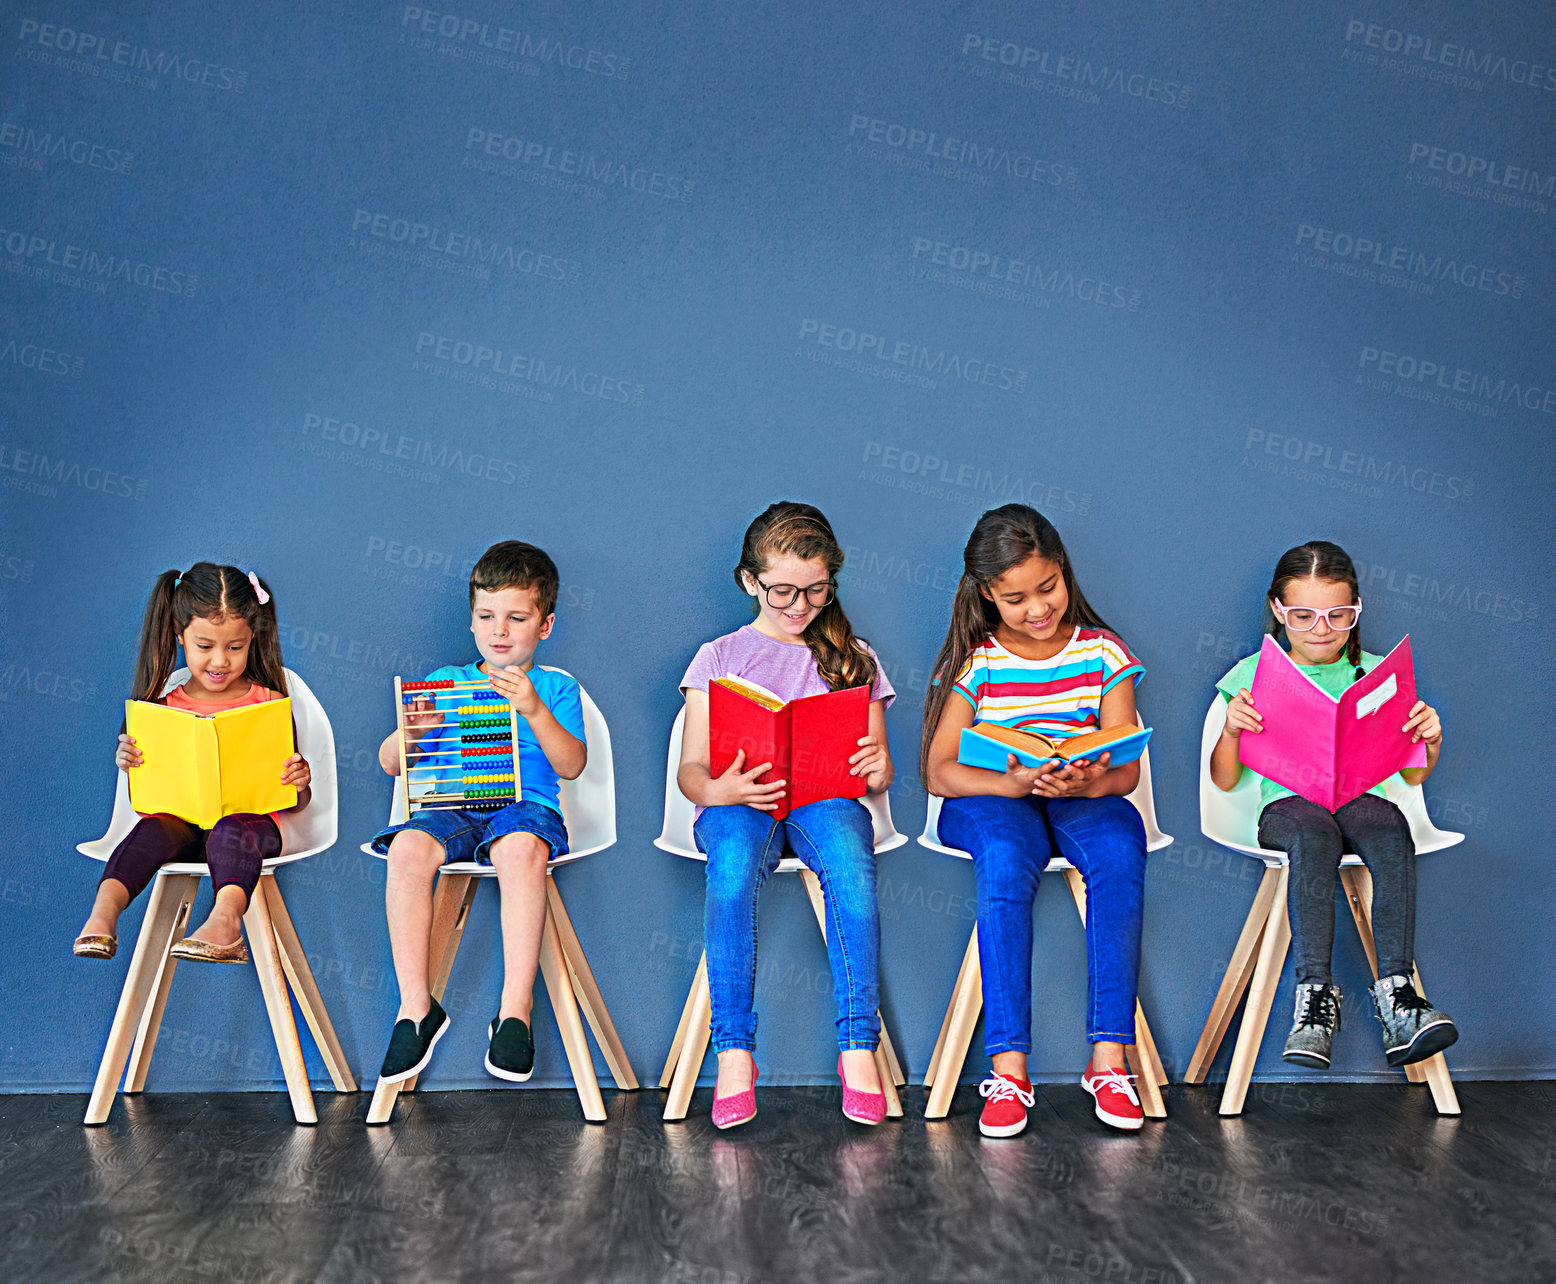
column 491, row 788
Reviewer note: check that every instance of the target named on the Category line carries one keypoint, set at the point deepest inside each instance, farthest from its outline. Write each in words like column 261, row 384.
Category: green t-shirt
column 1333, row 678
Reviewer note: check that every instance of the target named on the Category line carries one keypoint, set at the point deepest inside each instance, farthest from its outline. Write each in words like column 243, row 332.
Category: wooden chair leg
column 966, row 1003
column 151, row 1022
column 1261, row 994
column 933, row 1068
column 1148, row 1052
column 893, row 1066
column 588, row 991
column 1357, row 881
column 1141, row 1054
column 564, row 1004
column 1238, row 973
column 694, row 1046
column 883, row 1065
column 151, row 947
column 294, row 961
column 450, row 909
column 450, row 916
column 674, row 1058
column 278, row 1003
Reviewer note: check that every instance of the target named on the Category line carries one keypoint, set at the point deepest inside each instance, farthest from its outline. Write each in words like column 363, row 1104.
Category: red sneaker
column 1005, row 1111
column 1117, row 1103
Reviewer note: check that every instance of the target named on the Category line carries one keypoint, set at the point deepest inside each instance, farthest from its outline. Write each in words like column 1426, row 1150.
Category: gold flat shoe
column 205, row 952
column 95, row 947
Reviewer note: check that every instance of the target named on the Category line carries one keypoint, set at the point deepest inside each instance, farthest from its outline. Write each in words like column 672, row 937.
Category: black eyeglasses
column 780, row 596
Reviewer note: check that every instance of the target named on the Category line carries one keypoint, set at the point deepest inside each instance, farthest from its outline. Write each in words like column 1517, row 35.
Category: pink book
column 1331, row 750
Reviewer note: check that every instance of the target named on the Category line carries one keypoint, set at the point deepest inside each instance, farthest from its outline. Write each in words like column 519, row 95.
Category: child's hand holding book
column 737, row 787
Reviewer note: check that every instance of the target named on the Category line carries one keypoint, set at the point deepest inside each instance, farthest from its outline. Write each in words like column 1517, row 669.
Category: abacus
column 477, row 767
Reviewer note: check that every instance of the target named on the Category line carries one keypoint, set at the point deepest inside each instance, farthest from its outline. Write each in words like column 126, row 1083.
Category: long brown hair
column 205, row 591
column 1003, row 538
column 801, row 531
column 1318, row 559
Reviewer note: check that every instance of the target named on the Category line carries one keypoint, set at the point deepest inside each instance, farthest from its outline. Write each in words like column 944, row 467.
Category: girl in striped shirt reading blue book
column 1026, row 650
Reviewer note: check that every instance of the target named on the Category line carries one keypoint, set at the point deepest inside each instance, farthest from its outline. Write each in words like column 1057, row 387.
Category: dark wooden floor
column 1314, row 1183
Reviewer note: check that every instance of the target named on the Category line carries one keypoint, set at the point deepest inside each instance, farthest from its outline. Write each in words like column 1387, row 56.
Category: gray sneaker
column 1313, row 1026
column 1413, row 1029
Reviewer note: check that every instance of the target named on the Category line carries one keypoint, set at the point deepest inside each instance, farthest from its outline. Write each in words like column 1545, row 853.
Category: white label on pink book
column 1375, row 700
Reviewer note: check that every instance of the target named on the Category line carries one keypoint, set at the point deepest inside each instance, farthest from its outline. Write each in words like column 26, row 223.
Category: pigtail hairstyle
column 801, row 531
column 1003, row 538
column 206, row 590
column 1318, row 559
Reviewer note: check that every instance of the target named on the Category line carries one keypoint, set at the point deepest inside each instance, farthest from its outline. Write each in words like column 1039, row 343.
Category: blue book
column 988, row 745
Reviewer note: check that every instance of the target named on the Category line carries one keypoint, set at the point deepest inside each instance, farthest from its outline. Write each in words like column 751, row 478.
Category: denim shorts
column 469, row 835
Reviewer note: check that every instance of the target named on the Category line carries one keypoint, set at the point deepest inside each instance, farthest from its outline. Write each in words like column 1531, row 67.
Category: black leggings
column 1313, row 839
column 233, row 850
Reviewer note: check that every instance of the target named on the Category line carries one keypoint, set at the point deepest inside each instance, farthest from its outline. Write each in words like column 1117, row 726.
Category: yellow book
column 201, row 768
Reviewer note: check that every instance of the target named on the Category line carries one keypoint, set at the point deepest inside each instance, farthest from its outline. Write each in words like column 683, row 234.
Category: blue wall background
column 346, row 297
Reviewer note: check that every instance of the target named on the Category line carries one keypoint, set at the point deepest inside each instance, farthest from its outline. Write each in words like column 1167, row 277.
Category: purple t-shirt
column 787, row 669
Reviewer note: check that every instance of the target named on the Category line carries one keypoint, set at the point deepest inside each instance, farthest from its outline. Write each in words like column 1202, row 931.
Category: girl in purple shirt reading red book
column 799, row 644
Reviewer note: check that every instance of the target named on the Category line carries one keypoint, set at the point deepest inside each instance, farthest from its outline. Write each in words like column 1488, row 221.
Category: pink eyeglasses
column 1304, row 619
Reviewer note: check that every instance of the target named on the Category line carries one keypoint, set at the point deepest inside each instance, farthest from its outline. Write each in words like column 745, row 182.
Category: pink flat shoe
column 737, row 1108
column 861, row 1107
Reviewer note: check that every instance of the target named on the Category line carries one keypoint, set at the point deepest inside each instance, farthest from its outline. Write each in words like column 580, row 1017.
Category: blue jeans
column 467, row 834
column 835, row 839
column 1011, row 840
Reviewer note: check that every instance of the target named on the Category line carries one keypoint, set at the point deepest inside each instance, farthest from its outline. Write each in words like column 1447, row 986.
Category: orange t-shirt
column 256, row 694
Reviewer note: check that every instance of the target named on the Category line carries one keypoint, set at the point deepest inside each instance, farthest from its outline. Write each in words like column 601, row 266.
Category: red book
column 809, row 741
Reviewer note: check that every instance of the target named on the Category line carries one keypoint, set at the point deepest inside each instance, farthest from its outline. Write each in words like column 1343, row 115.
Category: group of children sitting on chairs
column 1024, row 649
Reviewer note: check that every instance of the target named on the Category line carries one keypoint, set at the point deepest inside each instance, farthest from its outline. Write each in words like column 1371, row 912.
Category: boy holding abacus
column 513, row 592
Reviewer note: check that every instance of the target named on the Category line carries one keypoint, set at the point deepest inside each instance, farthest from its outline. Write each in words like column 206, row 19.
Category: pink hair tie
column 264, row 597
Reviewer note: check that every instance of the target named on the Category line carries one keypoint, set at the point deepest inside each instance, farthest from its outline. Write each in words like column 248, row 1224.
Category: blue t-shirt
column 558, row 691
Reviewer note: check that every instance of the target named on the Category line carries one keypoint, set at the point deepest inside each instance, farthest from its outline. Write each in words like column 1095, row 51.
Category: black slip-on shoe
column 511, row 1055
column 411, row 1044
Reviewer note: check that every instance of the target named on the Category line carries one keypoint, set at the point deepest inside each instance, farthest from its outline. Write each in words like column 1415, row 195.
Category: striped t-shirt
column 1058, row 697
